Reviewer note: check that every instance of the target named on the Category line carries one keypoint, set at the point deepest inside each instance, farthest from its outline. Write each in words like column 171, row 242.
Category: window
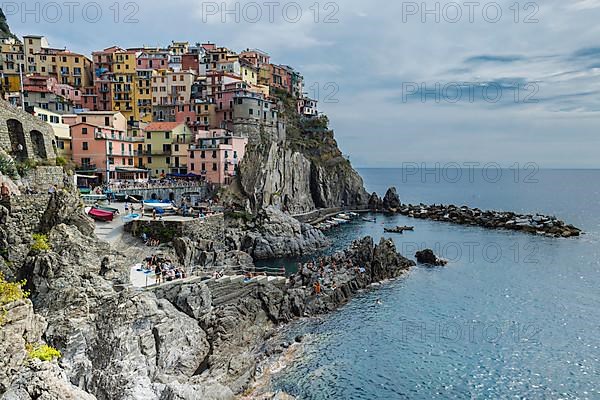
column 83, row 119
column 149, row 160
column 148, row 136
column 192, row 154
column 192, row 166
column 107, row 121
column 84, row 131
column 167, row 135
column 203, row 154
column 86, row 161
column 214, row 154
column 214, row 168
column 203, row 167
column 251, row 111
column 84, row 145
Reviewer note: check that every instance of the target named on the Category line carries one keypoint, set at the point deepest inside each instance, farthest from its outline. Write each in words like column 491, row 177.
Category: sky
column 402, row 82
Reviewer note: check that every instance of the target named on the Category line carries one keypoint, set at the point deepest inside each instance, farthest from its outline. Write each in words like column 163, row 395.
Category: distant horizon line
column 502, row 168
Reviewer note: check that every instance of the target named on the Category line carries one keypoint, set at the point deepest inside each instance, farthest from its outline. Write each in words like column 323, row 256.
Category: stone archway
column 37, row 142
column 18, row 144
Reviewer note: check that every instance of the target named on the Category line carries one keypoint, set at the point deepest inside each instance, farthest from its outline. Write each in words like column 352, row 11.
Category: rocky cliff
column 181, row 341
column 301, row 172
column 4, row 29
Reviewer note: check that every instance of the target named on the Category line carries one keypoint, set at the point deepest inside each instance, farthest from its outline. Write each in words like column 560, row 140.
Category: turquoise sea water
column 512, row 316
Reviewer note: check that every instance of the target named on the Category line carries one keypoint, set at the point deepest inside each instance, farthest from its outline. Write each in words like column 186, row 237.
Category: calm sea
column 511, row 316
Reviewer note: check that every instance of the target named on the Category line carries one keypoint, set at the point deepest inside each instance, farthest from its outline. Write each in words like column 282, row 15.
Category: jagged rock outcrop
column 391, row 200
column 429, row 258
column 375, row 202
column 4, row 29
column 273, row 174
column 274, row 234
column 20, row 377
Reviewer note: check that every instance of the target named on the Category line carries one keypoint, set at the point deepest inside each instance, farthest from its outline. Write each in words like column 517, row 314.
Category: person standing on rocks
column 4, row 192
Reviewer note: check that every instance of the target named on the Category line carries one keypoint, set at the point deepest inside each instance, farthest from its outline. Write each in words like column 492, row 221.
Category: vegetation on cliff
column 9, row 293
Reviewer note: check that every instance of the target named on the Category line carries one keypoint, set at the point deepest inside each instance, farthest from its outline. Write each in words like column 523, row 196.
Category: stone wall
column 209, row 229
column 165, row 193
column 41, row 178
column 20, row 128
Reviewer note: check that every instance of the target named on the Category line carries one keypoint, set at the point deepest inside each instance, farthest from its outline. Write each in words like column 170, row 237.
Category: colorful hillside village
column 150, row 113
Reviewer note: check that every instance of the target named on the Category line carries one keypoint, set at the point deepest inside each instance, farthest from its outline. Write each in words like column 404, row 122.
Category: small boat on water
column 100, row 215
column 369, row 219
column 340, row 220
column 399, row 229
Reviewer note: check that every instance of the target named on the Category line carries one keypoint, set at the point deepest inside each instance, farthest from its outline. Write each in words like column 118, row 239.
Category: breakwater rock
column 534, row 224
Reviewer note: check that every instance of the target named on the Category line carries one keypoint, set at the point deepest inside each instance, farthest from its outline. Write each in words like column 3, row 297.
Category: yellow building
column 249, row 73
column 144, row 95
column 159, row 152
column 69, row 68
column 124, row 85
column 11, row 56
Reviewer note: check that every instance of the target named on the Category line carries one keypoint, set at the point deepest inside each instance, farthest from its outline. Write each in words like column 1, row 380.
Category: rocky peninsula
column 536, row 224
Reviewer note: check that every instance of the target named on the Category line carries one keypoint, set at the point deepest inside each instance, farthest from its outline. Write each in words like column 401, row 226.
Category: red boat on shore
column 101, row 215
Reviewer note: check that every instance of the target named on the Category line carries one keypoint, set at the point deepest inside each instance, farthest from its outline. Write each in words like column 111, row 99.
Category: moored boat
column 399, row 229
column 100, row 215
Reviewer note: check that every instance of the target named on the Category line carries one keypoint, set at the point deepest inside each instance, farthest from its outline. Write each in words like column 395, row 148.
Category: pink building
column 215, row 155
column 104, row 150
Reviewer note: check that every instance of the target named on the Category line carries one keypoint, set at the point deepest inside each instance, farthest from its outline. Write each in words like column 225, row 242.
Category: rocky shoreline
column 536, row 224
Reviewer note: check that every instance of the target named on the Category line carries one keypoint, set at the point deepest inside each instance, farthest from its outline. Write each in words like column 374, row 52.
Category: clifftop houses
column 139, row 113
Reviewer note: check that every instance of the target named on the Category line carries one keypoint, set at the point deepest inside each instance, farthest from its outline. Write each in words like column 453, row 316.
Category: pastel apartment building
column 67, row 67
column 12, row 59
column 215, row 155
column 101, row 146
column 165, row 147
column 61, row 131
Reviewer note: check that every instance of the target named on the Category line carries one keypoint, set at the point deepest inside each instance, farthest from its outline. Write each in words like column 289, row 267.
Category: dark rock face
column 4, row 29
column 375, row 202
column 428, row 257
column 534, row 224
column 275, row 234
column 391, row 200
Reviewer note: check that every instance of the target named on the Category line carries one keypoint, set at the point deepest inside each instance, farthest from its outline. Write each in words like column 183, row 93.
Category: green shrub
column 40, row 243
column 25, row 166
column 10, row 292
column 61, row 161
column 42, row 352
column 7, row 167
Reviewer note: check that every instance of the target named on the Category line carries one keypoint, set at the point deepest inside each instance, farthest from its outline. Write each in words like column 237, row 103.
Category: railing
column 250, row 275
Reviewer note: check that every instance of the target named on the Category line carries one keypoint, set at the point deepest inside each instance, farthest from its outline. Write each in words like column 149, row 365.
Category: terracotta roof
column 162, row 126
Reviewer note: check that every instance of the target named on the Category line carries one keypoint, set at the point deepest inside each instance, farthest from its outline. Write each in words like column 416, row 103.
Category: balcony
column 86, row 167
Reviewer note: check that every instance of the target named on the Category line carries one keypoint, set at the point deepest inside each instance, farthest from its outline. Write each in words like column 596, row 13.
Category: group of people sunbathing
column 164, row 269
